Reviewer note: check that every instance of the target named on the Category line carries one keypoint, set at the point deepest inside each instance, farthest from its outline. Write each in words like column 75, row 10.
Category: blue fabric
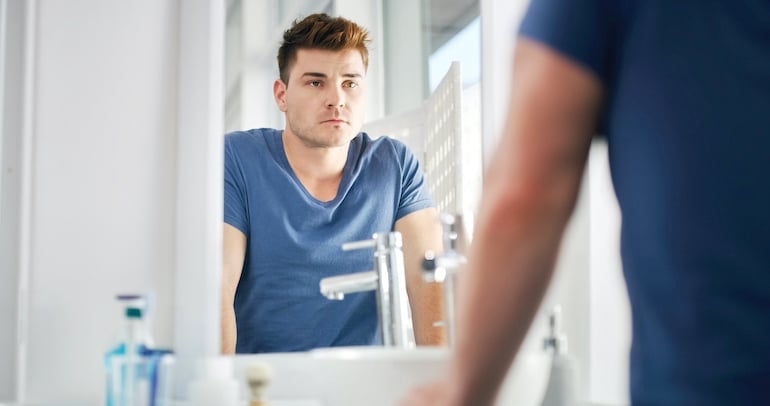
column 687, row 119
column 294, row 239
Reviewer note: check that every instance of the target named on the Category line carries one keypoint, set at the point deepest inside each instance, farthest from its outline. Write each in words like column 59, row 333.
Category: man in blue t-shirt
column 293, row 197
column 681, row 90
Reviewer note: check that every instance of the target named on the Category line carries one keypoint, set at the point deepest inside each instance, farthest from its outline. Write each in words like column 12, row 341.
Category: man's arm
column 529, row 194
column 421, row 231
column 233, row 254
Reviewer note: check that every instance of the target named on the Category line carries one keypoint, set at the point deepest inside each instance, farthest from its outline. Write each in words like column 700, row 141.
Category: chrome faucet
column 556, row 341
column 389, row 280
column 444, row 267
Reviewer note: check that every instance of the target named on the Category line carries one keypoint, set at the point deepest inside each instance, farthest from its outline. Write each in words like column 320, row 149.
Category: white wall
column 610, row 310
column 252, row 45
column 103, row 164
column 499, row 20
column 122, row 178
column 11, row 59
column 404, row 43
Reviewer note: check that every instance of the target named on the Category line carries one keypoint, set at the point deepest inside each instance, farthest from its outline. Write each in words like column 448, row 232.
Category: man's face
column 325, row 98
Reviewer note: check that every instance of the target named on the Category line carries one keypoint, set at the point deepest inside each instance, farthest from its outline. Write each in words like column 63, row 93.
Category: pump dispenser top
column 137, row 373
column 562, row 381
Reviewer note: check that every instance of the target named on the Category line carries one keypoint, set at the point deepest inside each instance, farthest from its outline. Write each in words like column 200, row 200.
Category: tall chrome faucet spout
column 336, row 287
column 387, row 279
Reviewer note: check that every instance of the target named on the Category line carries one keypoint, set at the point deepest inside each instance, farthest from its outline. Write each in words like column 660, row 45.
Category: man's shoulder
column 383, row 144
column 249, row 142
column 253, row 135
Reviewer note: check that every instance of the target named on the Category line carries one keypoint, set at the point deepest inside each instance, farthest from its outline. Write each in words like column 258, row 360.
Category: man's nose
column 335, row 97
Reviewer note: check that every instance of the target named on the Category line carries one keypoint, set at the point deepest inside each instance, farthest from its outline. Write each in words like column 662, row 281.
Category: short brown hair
column 321, row 31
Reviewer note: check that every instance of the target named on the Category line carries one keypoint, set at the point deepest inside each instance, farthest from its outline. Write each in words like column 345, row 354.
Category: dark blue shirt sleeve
column 414, row 190
column 235, row 204
column 581, row 30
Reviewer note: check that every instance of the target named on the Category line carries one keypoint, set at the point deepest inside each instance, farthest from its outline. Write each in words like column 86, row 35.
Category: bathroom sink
column 352, row 376
column 382, row 354
column 377, row 375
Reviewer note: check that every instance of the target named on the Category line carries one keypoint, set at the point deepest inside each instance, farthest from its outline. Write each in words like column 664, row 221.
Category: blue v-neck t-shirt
column 294, row 240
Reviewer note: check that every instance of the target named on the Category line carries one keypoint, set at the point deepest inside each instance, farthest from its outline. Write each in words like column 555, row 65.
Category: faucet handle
column 556, row 341
column 449, row 231
column 381, row 242
column 436, row 268
column 447, row 220
column 335, row 287
column 457, row 230
column 432, row 272
column 358, row 245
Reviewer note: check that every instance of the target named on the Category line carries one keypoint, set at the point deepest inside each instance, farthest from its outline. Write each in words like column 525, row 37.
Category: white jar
column 214, row 383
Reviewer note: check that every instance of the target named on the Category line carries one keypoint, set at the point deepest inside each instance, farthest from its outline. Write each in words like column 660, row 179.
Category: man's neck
column 319, row 169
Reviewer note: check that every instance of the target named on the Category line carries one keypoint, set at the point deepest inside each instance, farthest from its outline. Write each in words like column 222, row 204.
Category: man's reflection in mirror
column 292, row 197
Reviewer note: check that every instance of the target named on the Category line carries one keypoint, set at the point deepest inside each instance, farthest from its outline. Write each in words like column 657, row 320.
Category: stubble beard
column 315, row 137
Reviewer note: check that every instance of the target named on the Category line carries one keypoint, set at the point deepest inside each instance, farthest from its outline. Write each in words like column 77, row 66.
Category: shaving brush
column 258, row 377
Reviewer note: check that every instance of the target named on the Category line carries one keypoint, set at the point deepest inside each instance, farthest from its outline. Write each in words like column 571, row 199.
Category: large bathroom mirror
column 413, row 46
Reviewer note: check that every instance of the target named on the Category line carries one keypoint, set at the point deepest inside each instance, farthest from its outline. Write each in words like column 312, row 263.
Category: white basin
column 354, row 376
column 377, row 375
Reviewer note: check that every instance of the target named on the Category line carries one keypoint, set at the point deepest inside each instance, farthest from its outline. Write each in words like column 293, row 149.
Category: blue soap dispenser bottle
column 126, row 363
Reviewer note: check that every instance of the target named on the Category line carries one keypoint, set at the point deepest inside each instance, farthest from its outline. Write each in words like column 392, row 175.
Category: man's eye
column 315, row 83
column 351, row 84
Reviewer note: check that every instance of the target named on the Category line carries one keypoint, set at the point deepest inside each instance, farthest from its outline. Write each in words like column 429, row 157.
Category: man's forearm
column 427, row 309
column 499, row 300
column 421, row 232
column 228, row 328
column 233, row 254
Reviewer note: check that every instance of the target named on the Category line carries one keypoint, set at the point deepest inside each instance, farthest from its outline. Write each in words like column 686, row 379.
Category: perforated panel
column 443, row 131
column 406, row 127
column 434, row 132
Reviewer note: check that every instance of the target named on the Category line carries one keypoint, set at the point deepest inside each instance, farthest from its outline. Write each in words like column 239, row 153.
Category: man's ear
column 279, row 92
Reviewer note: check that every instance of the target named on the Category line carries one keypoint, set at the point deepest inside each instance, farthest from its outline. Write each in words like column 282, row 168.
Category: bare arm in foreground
column 529, row 193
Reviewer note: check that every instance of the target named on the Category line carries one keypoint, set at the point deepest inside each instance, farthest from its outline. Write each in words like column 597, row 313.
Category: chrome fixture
column 444, row 267
column 388, row 279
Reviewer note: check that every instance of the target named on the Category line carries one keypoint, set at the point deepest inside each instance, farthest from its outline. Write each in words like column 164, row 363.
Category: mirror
column 413, row 46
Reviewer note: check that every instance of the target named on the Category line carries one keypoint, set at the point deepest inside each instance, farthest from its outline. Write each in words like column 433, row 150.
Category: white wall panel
column 121, row 154
column 102, row 186
column 11, row 30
